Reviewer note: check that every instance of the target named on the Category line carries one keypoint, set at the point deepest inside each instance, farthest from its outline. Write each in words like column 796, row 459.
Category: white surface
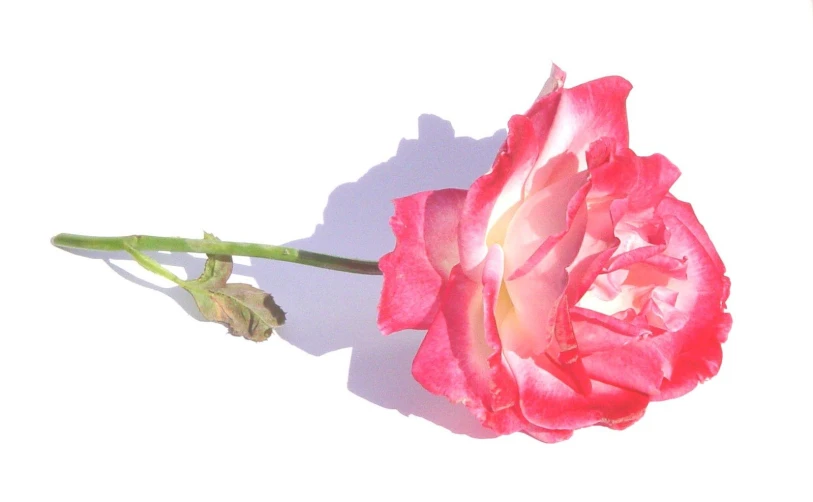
column 170, row 118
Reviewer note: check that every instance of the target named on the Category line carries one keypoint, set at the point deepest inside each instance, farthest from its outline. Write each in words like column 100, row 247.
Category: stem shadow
column 191, row 265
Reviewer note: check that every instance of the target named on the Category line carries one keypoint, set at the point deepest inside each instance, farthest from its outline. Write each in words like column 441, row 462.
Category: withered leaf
column 247, row 311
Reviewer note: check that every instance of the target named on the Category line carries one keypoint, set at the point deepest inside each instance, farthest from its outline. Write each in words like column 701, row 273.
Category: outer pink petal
column 511, row 420
column 702, row 294
column 700, row 361
column 438, row 370
column 636, row 365
column 694, row 351
column 585, row 114
column 548, row 402
column 425, row 227
column 548, row 436
column 460, row 358
column 457, row 338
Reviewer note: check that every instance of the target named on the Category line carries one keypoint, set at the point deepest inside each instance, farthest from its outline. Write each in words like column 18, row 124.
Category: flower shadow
column 328, row 311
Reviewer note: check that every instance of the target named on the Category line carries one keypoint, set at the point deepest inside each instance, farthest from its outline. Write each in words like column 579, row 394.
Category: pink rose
column 566, row 287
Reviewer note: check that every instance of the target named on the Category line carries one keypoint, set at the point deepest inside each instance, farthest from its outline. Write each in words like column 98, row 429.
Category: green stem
column 216, row 247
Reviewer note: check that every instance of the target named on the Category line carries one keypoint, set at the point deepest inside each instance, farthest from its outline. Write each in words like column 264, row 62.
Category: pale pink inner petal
column 536, row 291
column 661, row 311
column 495, row 193
column 556, row 169
column 542, row 215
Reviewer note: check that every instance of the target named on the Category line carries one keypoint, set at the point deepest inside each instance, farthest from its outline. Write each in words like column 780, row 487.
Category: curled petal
column 685, row 214
column 596, row 332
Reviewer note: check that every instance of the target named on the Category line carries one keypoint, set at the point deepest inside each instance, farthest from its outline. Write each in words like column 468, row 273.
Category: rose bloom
column 566, row 287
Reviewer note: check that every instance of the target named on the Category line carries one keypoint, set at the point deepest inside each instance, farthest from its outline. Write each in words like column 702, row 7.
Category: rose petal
column 694, row 351
column 636, row 366
column 511, row 420
column 596, row 332
column 566, row 349
column 583, row 273
column 458, row 359
column 541, row 221
column 565, row 120
column 655, row 176
column 495, row 193
column 546, row 401
column 701, row 294
column 538, row 276
column 452, row 360
column 683, row 211
column 661, row 311
column 637, row 255
column 504, row 388
column 460, row 331
column 548, row 436
column 700, row 361
column 584, row 114
column 425, row 251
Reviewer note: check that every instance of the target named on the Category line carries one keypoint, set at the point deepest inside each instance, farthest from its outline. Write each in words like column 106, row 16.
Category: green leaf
column 247, row 311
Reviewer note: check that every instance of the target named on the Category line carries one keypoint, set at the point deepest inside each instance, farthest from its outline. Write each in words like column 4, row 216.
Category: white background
column 249, row 120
